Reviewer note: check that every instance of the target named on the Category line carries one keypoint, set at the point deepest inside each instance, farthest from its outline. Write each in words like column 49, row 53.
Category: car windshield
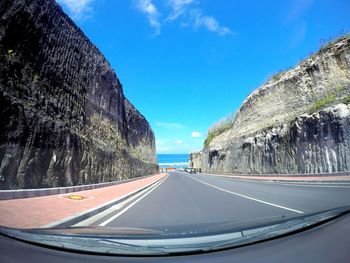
column 150, row 127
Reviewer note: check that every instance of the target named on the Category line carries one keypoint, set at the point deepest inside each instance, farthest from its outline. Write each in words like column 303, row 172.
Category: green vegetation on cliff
column 219, row 128
column 346, row 100
column 327, row 100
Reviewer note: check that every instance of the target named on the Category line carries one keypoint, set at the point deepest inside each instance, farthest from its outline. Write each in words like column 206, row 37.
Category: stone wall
column 64, row 118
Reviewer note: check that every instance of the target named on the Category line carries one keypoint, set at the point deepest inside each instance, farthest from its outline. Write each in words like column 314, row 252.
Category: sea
column 172, row 160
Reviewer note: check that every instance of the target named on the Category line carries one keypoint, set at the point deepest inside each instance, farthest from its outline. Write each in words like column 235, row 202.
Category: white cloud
column 196, row 134
column 178, row 142
column 79, row 9
column 150, row 10
column 173, row 145
column 185, row 9
column 163, row 149
column 179, row 7
column 210, row 23
column 169, row 125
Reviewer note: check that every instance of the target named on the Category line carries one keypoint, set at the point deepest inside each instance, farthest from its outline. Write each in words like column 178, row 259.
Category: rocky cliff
column 195, row 160
column 64, row 118
column 297, row 122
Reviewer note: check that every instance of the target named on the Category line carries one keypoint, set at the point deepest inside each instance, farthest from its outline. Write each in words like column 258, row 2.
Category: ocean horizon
column 172, row 160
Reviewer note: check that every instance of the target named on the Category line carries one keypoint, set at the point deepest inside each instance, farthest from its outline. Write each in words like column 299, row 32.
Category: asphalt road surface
column 185, row 202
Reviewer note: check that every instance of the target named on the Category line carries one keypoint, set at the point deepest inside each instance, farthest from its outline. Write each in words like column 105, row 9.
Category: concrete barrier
column 27, row 193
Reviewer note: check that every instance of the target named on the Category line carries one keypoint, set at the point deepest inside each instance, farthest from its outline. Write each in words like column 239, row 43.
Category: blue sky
column 185, row 64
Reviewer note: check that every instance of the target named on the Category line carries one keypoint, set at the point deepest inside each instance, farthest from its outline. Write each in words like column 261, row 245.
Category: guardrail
column 26, row 193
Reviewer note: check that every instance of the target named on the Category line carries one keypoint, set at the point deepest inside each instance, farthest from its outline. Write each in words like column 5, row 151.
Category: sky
column 186, row 64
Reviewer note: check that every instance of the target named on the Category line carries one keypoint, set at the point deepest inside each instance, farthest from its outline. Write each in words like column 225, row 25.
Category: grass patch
column 322, row 103
column 340, row 88
column 346, row 100
column 277, row 76
column 208, row 140
column 217, row 130
column 331, row 41
column 10, row 54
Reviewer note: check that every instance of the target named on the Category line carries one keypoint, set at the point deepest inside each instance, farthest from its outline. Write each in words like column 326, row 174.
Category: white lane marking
column 248, row 197
column 310, row 185
column 103, row 214
column 296, row 183
column 299, row 184
column 131, row 205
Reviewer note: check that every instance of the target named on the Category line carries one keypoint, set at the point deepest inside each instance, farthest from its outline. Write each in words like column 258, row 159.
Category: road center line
column 248, row 197
column 131, row 205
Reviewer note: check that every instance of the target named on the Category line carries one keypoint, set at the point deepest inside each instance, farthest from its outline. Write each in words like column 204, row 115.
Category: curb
column 257, row 178
column 76, row 218
column 27, row 193
column 302, row 175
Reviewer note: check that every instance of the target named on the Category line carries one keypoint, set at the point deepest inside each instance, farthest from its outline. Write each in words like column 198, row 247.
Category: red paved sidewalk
column 324, row 178
column 38, row 211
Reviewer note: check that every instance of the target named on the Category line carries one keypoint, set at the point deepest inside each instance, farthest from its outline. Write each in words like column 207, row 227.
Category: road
column 184, row 202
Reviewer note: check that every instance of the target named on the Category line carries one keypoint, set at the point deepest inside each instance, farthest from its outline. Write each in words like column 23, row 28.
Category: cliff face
column 195, row 160
column 64, row 118
column 298, row 122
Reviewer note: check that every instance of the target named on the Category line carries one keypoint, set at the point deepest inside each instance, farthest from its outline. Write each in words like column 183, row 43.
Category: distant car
column 190, row 170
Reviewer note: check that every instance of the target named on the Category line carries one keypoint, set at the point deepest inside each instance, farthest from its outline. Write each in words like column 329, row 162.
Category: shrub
column 277, row 76
column 10, row 54
column 322, row 103
column 219, row 128
column 327, row 43
column 208, row 140
column 346, row 100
